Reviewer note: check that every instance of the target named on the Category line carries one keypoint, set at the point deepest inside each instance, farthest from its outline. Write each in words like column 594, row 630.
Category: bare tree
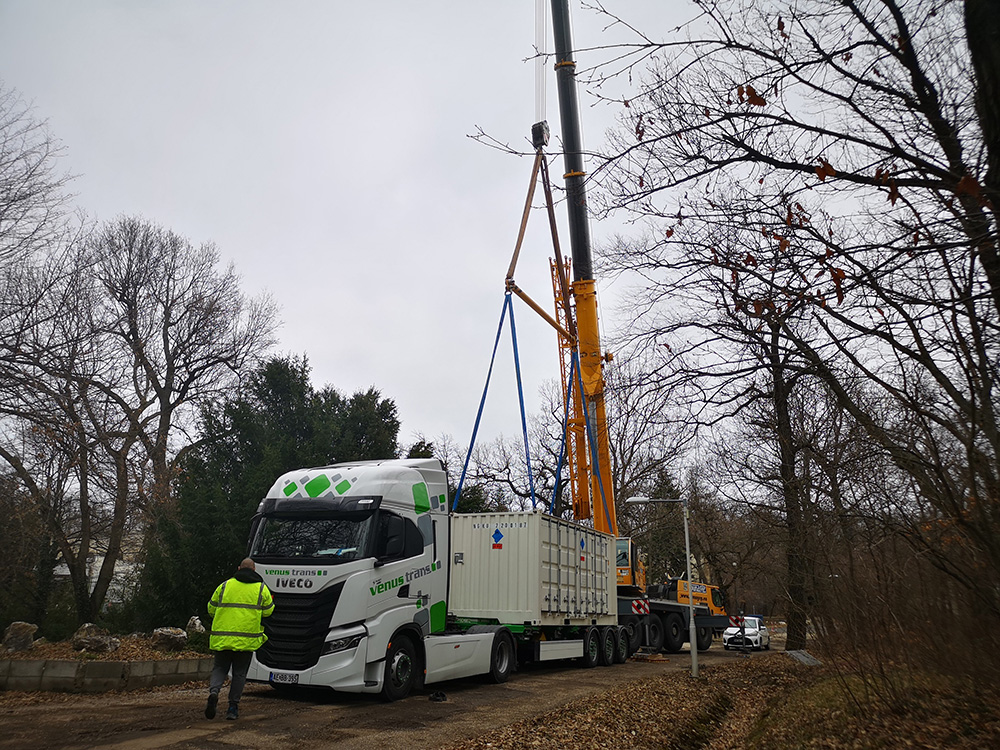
column 125, row 336
column 816, row 183
column 54, row 423
column 647, row 427
column 183, row 329
column 32, row 192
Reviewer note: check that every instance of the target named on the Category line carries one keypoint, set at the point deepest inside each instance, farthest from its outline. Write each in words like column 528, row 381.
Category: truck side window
column 397, row 538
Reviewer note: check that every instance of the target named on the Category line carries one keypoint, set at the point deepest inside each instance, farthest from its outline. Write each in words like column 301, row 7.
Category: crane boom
column 583, row 287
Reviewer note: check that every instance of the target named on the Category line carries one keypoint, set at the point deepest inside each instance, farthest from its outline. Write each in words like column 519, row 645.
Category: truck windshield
column 336, row 538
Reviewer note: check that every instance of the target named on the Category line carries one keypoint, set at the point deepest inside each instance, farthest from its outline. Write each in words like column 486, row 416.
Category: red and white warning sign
column 735, row 621
column 640, row 606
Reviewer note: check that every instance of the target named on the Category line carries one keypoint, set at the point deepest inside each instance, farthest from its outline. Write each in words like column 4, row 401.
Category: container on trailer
column 531, row 568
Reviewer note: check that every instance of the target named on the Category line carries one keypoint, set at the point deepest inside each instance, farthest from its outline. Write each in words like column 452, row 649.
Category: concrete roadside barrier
column 70, row 676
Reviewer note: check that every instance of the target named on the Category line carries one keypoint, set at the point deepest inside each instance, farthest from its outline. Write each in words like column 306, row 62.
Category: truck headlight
column 341, row 644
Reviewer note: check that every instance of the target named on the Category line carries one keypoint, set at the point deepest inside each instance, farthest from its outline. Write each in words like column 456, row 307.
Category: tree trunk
column 982, row 28
column 791, row 498
column 48, row 558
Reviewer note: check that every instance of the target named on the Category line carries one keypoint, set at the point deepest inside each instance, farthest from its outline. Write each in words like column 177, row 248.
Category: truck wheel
column 673, row 635
column 501, row 658
column 608, row 646
column 634, row 631
column 591, row 648
column 400, row 669
column 622, row 651
column 655, row 634
column 704, row 637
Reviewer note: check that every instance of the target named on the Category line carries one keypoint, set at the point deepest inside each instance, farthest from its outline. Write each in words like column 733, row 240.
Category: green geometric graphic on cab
column 354, row 557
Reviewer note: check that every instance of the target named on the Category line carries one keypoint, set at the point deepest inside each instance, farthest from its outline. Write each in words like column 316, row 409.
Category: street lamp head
column 642, row 499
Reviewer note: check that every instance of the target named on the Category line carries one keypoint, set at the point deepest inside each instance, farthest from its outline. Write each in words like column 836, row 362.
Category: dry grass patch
column 766, row 701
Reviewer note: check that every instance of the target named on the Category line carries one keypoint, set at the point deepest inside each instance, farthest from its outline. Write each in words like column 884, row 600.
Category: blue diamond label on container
column 497, row 536
column 583, row 544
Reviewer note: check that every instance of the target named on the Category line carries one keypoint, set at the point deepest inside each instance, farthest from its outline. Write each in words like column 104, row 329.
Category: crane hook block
column 540, row 134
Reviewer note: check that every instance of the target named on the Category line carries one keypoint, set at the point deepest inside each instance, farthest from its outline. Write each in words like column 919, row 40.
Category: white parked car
column 754, row 630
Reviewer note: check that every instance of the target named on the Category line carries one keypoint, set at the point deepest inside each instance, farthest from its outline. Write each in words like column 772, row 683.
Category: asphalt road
column 172, row 717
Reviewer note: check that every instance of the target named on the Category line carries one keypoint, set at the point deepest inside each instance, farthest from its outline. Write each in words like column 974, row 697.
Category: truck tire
column 634, row 631
column 608, row 646
column 704, row 637
column 622, row 651
column 400, row 669
column 655, row 634
column 673, row 633
column 591, row 648
column 501, row 658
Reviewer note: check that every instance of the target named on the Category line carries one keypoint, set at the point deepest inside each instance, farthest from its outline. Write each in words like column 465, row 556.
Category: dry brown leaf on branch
column 825, row 170
column 754, row 99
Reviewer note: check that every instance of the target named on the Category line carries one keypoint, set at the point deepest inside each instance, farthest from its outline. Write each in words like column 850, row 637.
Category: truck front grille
column 297, row 628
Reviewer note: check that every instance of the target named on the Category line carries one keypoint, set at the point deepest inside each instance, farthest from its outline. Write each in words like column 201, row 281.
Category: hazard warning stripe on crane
column 640, row 606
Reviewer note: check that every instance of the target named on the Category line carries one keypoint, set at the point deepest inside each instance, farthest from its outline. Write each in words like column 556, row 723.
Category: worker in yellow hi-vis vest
column 237, row 608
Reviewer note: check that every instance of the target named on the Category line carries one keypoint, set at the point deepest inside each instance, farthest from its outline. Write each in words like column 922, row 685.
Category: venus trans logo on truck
column 380, row 587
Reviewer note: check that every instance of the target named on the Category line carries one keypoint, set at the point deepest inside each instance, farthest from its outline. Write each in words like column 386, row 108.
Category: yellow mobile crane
column 654, row 622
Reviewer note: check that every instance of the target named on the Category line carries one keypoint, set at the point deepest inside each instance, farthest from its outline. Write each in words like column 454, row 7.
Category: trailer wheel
column 704, row 638
column 673, row 637
column 400, row 669
column 622, row 651
column 655, row 634
column 501, row 658
column 608, row 646
column 591, row 648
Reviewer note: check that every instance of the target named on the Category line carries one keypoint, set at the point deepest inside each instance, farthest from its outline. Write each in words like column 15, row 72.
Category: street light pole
column 692, row 630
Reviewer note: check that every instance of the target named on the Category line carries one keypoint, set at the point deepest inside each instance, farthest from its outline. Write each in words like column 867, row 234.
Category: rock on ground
column 90, row 637
column 19, row 636
column 170, row 639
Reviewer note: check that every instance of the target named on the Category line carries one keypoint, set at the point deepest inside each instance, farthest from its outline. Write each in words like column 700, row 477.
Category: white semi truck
column 379, row 588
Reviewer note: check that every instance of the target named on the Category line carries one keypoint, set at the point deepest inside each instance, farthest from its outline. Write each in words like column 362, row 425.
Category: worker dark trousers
column 239, row 661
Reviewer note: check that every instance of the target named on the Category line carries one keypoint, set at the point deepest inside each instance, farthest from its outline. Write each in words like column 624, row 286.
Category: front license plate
column 285, row 678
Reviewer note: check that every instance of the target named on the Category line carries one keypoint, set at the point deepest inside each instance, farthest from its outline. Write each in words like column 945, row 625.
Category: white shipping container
column 531, row 568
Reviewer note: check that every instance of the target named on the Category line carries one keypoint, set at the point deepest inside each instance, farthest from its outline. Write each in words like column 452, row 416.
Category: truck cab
column 352, row 554
column 630, row 567
column 705, row 595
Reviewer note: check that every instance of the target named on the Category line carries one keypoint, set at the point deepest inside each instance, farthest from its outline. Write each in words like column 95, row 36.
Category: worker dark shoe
column 213, row 701
column 233, row 713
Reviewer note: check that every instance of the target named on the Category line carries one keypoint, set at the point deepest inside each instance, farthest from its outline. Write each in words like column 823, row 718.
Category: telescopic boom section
column 584, row 290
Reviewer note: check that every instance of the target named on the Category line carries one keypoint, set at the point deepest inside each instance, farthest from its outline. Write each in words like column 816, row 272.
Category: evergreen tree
column 280, row 423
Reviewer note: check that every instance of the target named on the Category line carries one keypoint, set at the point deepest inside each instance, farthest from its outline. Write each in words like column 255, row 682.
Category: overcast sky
column 323, row 147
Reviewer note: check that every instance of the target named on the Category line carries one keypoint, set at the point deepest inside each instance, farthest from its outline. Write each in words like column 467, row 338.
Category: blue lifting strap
column 565, row 431
column 520, row 398
column 482, row 401
column 507, row 305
